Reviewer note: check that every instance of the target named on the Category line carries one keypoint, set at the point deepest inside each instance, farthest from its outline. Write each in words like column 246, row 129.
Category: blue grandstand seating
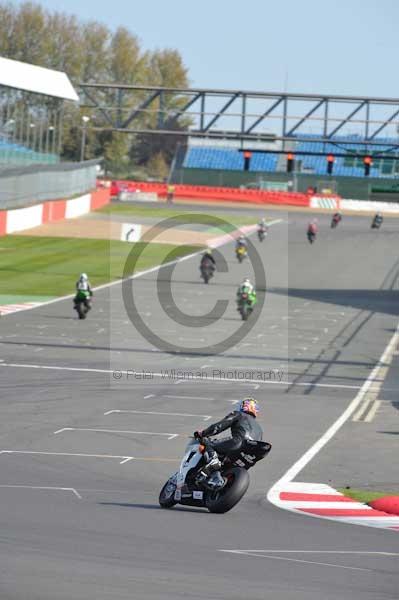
column 227, row 159
column 230, row 159
column 16, row 154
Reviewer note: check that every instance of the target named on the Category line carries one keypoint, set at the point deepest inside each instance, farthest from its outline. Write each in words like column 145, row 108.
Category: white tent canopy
column 30, row 78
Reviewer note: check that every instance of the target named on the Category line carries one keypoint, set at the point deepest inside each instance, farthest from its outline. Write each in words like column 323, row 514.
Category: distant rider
column 262, row 225
column 337, row 217
column 83, row 288
column 312, row 227
column 241, row 243
column 246, row 287
column 207, row 257
column 243, row 426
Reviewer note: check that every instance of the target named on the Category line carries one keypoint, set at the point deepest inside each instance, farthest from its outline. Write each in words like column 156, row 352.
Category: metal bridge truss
column 247, row 117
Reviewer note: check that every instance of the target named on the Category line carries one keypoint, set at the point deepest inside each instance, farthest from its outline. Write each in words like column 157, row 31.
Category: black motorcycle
column 311, row 236
column 262, row 232
column 335, row 220
column 218, row 491
column 207, row 269
column 377, row 222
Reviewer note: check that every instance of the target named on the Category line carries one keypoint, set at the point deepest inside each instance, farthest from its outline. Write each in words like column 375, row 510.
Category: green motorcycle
column 82, row 303
column 246, row 301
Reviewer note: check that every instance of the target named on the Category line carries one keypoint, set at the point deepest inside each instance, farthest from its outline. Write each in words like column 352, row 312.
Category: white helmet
column 83, row 277
column 246, row 281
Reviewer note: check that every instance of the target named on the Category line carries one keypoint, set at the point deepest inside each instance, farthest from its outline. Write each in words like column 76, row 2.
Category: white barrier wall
column 78, row 206
column 368, row 205
column 324, row 202
column 24, row 218
column 137, row 197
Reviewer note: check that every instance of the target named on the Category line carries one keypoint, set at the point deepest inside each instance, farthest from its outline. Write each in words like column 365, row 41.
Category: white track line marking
column 149, row 396
column 296, row 560
column 166, row 414
column 42, row 487
column 224, row 242
column 46, row 453
column 187, row 397
column 170, row 436
column 81, row 455
column 363, row 407
column 191, row 380
column 372, row 412
column 300, row 464
column 354, row 552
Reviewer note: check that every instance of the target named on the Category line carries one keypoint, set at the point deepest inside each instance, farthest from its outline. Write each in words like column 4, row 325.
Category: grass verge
column 161, row 212
column 365, row 495
column 49, row 266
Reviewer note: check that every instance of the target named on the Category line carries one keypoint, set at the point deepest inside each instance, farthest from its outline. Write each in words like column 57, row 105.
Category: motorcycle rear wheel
column 225, row 499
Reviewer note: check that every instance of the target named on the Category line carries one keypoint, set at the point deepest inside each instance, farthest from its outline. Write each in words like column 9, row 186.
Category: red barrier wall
column 100, row 198
column 214, row 193
column 3, row 221
column 54, row 210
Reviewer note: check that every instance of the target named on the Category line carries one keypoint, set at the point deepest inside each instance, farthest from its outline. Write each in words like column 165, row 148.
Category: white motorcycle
column 218, row 491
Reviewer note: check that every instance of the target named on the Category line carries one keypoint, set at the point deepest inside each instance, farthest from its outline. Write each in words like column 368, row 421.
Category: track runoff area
column 96, row 414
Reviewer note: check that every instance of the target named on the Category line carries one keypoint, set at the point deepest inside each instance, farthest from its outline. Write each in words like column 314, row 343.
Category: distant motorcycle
column 377, row 222
column 82, row 304
column 241, row 253
column 311, row 236
column 335, row 220
column 207, row 270
column 245, row 305
column 262, row 232
column 220, row 491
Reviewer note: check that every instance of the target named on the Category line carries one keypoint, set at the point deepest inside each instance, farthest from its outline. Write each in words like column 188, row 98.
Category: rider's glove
column 197, row 435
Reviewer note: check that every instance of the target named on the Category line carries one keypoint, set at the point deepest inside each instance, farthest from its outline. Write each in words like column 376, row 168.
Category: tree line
column 90, row 52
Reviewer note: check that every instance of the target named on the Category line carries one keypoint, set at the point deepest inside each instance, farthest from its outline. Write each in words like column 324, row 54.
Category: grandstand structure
column 310, row 157
column 32, row 103
column 31, row 113
column 218, row 125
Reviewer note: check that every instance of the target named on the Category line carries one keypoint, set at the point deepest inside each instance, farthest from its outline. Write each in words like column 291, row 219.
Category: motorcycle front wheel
column 167, row 494
column 81, row 310
column 223, row 500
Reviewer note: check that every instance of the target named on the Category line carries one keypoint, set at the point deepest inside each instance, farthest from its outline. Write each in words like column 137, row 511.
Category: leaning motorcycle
column 82, row 304
column 241, row 253
column 376, row 223
column 220, row 491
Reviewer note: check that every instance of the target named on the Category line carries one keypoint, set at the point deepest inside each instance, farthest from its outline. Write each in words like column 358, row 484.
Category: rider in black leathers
column 207, row 257
column 243, row 426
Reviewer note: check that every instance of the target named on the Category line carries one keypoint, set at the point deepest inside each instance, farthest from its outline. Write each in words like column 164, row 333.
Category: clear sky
column 325, row 46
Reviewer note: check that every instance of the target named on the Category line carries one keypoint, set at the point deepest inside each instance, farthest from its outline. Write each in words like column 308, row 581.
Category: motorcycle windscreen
column 192, row 444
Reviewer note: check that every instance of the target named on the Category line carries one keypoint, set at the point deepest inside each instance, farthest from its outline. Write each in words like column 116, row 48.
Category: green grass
column 365, row 495
column 161, row 212
column 49, row 266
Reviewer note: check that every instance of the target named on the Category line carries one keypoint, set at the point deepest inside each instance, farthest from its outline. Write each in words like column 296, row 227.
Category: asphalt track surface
column 79, row 517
